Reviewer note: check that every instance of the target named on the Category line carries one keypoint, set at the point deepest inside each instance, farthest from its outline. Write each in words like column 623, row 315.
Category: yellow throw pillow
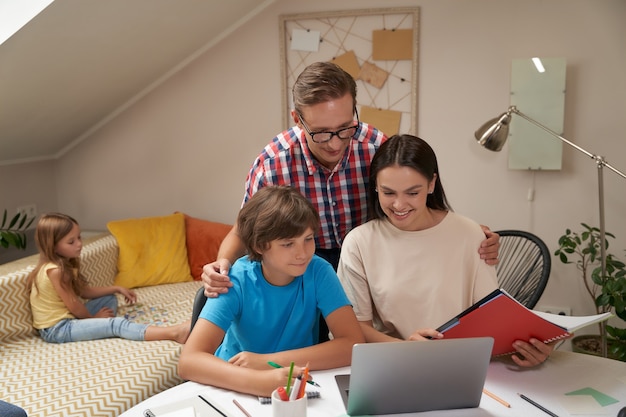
column 152, row 251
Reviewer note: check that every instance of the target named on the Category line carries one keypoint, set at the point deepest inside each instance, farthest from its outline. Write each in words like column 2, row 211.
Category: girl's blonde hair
column 51, row 228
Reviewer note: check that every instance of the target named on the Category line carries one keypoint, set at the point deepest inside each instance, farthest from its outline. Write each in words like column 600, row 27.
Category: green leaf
column 616, row 333
column 14, row 220
column 13, row 239
column 602, row 300
column 619, row 305
column 13, row 233
column 608, row 289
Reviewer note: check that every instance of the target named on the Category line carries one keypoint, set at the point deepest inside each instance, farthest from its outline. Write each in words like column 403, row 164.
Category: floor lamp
column 493, row 134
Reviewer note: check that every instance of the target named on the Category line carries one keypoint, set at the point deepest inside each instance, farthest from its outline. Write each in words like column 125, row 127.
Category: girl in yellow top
column 58, row 291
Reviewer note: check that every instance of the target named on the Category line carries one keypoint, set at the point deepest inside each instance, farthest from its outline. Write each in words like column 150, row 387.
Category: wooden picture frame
column 379, row 47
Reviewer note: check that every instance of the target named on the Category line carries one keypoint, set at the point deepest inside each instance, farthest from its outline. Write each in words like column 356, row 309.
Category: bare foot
column 181, row 331
column 178, row 332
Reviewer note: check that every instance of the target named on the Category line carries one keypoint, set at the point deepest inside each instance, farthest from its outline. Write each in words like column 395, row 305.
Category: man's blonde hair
column 321, row 82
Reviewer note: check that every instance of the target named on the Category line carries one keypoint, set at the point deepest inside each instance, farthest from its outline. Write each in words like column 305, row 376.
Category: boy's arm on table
column 334, row 353
column 199, row 364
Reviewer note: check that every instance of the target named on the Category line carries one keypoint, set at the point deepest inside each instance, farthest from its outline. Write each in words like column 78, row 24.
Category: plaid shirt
column 340, row 195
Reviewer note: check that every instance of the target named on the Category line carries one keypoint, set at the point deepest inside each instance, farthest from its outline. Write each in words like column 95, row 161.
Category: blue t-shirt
column 262, row 318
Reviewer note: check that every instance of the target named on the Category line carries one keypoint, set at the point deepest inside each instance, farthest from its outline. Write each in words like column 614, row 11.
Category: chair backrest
column 524, row 266
column 198, row 303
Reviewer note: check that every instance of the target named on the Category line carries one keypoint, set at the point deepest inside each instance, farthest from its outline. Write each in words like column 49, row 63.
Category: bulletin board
column 378, row 47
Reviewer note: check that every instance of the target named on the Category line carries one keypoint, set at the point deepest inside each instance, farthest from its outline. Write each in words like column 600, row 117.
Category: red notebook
column 500, row 316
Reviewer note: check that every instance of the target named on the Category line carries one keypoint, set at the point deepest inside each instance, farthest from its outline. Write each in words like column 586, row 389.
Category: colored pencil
column 495, row 397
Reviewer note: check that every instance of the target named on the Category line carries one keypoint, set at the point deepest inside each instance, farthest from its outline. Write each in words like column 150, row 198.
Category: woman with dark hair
column 414, row 264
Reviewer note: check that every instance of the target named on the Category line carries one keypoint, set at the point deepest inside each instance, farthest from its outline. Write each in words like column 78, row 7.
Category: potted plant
column 12, row 232
column 607, row 291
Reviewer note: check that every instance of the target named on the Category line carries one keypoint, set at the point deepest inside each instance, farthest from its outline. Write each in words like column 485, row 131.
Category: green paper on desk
column 601, row 398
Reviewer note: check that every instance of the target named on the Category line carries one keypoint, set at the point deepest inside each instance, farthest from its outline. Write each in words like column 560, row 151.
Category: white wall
column 28, row 183
column 188, row 145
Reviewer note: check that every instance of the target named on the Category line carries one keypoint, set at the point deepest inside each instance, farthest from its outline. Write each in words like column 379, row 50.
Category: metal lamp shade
column 493, row 134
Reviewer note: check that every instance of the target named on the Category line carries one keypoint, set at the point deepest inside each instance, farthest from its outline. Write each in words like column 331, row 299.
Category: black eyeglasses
column 323, row 137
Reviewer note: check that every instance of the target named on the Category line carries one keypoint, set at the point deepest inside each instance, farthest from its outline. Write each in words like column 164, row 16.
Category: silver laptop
column 408, row 377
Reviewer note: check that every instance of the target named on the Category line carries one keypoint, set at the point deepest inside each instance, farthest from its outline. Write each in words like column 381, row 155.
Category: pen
column 243, row 410
column 495, row 397
column 539, row 406
column 212, row 406
column 289, row 380
column 304, row 377
column 282, row 394
column 308, row 381
column 295, row 390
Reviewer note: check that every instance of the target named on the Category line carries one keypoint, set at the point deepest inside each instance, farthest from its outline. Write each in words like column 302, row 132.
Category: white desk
column 564, row 372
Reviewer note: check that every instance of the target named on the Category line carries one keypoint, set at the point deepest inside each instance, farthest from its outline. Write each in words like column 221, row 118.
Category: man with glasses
column 326, row 156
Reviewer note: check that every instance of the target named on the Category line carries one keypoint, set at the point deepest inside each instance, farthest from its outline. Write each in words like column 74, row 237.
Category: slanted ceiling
column 80, row 62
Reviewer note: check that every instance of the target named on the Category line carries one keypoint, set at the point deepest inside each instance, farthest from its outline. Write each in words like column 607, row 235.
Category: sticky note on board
column 392, row 44
column 373, row 74
column 305, row 40
column 387, row 121
column 348, row 63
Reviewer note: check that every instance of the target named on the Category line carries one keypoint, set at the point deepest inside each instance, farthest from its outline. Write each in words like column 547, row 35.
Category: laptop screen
column 406, row 377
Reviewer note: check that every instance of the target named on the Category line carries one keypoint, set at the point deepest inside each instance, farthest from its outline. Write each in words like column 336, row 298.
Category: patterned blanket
column 94, row 378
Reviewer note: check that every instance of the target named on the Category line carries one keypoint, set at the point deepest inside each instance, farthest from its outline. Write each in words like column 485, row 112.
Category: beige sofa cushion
column 16, row 320
column 100, row 378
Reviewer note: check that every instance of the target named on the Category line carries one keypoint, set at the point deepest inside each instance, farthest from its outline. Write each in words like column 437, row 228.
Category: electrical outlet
column 30, row 210
column 562, row 311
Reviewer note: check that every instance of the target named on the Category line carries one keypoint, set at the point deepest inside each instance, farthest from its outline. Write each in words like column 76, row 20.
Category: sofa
column 101, row 377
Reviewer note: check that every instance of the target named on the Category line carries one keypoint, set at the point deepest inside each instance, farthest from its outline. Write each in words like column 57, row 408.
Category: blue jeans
column 10, row 410
column 74, row 330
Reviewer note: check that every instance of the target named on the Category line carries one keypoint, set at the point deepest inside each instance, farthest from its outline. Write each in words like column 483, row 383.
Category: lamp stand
column 600, row 163
column 493, row 139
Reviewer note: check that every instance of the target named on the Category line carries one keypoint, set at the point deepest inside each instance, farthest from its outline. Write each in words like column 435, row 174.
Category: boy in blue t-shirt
column 272, row 311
